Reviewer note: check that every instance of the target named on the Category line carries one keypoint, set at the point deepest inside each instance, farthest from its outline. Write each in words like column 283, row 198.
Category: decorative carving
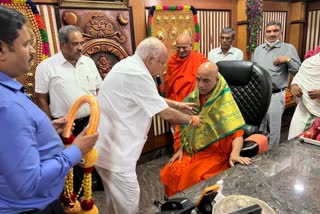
column 168, row 22
column 99, row 27
column 70, row 18
column 104, row 66
column 118, row 4
column 173, row 18
column 122, row 19
column 106, row 33
column 173, row 32
column 105, row 52
column 161, row 34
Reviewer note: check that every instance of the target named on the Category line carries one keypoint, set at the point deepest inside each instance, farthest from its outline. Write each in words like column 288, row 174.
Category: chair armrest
column 249, row 130
column 249, row 149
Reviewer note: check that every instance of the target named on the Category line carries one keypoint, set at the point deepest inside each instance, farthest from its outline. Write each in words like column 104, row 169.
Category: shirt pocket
column 88, row 83
column 58, row 81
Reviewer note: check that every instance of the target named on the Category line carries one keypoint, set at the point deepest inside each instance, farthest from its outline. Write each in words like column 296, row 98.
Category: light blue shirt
column 33, row 161
column 216, row 55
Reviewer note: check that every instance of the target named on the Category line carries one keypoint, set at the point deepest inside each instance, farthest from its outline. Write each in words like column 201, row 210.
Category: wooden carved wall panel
column 108, row 34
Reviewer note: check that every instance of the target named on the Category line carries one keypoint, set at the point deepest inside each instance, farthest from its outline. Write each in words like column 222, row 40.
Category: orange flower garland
column 69, row 198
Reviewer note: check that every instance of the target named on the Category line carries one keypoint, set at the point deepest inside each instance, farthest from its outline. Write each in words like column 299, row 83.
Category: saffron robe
column 206, row 149
column 180, row 79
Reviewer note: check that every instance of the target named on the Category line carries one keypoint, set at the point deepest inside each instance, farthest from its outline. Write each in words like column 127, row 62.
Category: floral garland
column 44, row 38
column 174, row 8
column 254, row 13
column 311, row 53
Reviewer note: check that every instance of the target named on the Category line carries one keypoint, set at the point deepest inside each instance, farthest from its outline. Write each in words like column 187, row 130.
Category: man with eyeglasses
column 66, row 76
column 226, row 51
column 182, row 67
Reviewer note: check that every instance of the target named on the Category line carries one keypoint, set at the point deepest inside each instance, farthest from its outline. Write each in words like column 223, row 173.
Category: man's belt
column 278, row 90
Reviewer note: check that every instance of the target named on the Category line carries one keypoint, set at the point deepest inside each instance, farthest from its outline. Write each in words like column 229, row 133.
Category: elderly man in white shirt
column 129, row 99
column 225, row 51
column 64, row 77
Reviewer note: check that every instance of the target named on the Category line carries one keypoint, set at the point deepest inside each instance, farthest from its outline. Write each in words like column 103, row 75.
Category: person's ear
column 149, row 59
column 1, row 46
column 62, row 44
column 3, row 50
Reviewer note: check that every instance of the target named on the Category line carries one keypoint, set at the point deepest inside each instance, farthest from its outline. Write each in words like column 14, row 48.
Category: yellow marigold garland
column 69, row 199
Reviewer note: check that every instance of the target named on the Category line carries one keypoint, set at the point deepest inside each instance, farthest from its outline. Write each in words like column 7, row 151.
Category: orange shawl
column 180, row 79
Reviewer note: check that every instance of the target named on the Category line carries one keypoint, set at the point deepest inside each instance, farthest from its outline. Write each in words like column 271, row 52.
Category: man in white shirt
column 66, row 76
column 225, row 51
column 128, row 100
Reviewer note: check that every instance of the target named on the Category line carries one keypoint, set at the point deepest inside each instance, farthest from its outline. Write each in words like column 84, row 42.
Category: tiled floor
column 148, row 173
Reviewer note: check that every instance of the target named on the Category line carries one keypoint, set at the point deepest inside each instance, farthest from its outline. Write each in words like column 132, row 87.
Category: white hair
column 150, row 46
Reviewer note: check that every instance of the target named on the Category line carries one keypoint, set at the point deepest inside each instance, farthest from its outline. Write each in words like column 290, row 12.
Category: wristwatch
column 288, row 59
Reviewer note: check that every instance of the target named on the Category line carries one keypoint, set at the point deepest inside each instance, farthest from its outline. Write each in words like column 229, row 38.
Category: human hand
column 85, row 142
column 296, row 90
column 59, row 124
column 281, row 60
column 314, row 94
column 196, row 121
column 178, row 155
column 236, row 158
column 188, row 108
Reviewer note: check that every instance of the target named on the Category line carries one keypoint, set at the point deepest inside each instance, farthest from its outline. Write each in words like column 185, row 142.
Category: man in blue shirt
column 33, row 159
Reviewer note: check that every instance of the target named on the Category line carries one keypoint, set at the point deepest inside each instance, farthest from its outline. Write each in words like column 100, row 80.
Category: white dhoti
column 299, row 120
column 122, row 191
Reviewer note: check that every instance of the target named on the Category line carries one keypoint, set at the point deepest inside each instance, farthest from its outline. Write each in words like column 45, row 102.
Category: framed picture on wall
column 105, row 4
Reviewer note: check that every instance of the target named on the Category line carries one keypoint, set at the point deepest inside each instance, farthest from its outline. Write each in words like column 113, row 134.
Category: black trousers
column 54, row 208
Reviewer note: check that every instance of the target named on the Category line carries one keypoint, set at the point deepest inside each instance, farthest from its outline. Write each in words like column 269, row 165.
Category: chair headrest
column 235, row 72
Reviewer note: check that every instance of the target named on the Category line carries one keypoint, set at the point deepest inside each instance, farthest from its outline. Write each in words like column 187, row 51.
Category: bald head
column 183, row 45
column 207, row 77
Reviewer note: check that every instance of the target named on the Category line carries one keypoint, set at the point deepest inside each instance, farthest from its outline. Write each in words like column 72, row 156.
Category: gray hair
column 228, row 30
column 65, row 30
column 271, row 23
column 150, row 46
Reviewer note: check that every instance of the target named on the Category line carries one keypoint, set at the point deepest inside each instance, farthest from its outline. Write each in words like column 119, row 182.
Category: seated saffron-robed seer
column 216, row 144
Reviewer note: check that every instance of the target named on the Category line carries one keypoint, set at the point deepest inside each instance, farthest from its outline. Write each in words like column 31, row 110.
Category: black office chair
column 251, row 87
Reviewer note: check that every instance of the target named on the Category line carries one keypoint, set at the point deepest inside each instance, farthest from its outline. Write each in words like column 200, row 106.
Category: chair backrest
column 251, row 87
